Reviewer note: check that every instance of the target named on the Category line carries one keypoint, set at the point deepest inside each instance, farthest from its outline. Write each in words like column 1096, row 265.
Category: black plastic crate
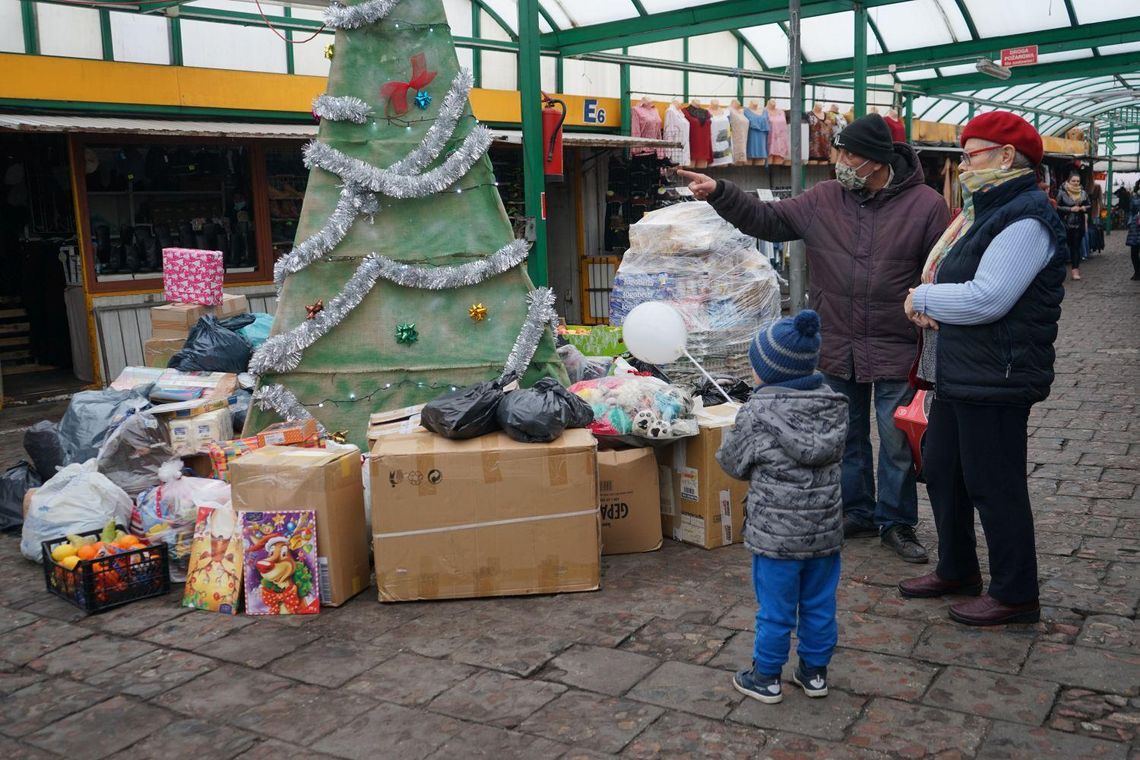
column 95, row 585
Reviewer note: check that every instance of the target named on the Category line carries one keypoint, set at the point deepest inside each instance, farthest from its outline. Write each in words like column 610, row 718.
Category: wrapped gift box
column 190, row 275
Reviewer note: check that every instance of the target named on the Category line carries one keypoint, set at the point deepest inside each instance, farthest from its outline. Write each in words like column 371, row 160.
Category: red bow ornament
column 397, row 92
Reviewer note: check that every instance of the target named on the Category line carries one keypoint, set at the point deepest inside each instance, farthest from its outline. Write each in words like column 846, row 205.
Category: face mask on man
column 848, row 176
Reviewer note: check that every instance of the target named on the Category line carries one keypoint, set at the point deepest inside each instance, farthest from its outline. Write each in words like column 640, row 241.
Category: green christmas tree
column 406, row 279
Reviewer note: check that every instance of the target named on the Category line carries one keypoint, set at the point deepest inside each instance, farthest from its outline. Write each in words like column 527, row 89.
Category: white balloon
column 655, row 333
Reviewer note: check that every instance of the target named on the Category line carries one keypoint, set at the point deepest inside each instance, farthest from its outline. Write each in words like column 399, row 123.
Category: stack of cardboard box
column 170, row 325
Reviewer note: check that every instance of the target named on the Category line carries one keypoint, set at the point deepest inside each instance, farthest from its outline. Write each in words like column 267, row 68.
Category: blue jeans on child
column 896, row 500
column 783, row 587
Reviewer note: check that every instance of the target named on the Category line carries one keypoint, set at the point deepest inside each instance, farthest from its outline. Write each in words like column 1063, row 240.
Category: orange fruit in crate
column 128, row 542
column 87, row 552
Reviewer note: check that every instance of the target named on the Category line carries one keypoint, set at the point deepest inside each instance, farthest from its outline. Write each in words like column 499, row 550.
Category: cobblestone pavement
column 642, row 668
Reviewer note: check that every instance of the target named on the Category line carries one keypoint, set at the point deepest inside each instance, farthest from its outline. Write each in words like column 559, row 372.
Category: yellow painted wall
column 36, row 77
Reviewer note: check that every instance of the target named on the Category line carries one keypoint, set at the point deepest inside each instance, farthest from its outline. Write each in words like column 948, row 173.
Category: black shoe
column 902, row 540
column 856, row 528
column 760, row 687
column 812, row 680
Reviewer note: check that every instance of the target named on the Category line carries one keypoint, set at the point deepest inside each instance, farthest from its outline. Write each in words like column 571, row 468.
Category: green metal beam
column 151, row 110
column 547, row 17
column 860, row 60
column 174, row 29
column 290, row 62
column 685, row 74
column 105, row 34
column 1124, row 62
column 740, row 65
column 751, row 49
column 909, row 117
column 1102, row 33
column 476, row 55
column 702, row 19
column 534, row 182
column 31, row 34
column 626, row 106
column 499, row 20
column 968, row 19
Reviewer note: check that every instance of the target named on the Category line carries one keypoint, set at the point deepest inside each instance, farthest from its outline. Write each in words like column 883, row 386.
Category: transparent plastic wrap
column 93, row 415
column 635, row 407
column 75, row 499
column 712, row 273
column 132, row 455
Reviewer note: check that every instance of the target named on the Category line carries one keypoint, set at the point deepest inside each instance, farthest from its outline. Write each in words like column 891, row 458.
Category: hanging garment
column 677, row 130
column 646, row 123
column 779, row 142
column 740, row 128
column 819, row 137
column 837, row 121
column 700, row 134
column 757, row 133
column 721, row 140
column 898, row 129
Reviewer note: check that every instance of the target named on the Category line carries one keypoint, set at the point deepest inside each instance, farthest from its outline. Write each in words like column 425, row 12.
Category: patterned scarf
column 972, row 183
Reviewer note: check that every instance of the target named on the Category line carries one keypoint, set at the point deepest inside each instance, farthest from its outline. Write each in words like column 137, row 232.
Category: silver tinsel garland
column 451, row 109
column 340, row 16
column 342, row 108
column 399, row 185
column 282, row 353
column 352, row 203
column 539, row 316
column 461, row 275
column 281, row 401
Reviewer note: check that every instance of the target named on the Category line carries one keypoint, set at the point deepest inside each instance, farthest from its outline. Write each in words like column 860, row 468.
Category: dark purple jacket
column 863, row 253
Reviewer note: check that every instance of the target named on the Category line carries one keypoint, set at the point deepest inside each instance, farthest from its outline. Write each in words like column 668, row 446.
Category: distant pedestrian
column 788, row 443
column 1073, row 206
column 1133, row 240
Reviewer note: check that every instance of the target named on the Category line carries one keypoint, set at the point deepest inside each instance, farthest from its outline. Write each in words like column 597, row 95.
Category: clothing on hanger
column 677, row 130
column 740, row 129
column 898, row 129
column 819, row 136
column 721, row 139
column 700, row 134
column 646, row 123
column 779, row 140
column 757, row 133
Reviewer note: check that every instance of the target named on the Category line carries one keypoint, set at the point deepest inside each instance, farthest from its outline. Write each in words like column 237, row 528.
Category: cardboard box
column 703, row 506
column 326, row 481
column 191, row 435
column 484, row 517
column 157, row 351
column 174, row 320
column 231, row 306
column 630, row 505
column 289, row 434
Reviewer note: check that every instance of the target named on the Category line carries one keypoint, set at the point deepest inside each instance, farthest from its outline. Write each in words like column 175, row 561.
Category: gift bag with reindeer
column 213, row 579
column 280, row 558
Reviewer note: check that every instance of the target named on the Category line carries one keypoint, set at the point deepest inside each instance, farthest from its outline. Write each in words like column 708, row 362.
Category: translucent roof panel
column 911, row 25
column 770, row 41
column 957, row 70
column 1089, row 11
column 1127, row 47
column 1068, row 55
column 579, row 13
column 832, row 36
column 910, row 76
column 953, row 17
column 1013, row 16
column 659, row 6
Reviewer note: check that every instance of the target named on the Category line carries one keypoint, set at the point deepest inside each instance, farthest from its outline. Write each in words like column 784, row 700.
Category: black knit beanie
column 869, row 137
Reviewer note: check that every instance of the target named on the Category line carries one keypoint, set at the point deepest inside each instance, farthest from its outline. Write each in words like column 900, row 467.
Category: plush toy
column 645, row 407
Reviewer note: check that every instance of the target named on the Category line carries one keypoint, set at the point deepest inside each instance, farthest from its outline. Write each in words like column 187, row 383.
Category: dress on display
column 757, row 133
column 646, row 123
column 677, row 130
column 721, row 140
column 700, row 134
column 779, row 141
column 740, row 129
column 898, row 129
column 819, row 137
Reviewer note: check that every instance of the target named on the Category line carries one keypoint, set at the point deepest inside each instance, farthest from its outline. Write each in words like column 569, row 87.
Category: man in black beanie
column 866, row 234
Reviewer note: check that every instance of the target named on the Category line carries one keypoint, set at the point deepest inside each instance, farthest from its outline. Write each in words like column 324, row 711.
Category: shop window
column 286, row 178
column 143, row 197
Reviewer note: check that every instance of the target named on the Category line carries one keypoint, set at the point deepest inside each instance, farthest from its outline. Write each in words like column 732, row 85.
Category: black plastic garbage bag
column 541, row 413
column 44, row 447
column 14, row 483
column 466, row 413
column 93, row 415
column 737, row 390
column 652, row 369
column 215, row 346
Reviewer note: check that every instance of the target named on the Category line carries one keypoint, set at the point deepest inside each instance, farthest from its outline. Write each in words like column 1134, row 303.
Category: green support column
column 740, row 66
column 767, row 91
column 476, row 53
column 559, row 74
column 290, row 64
column 972, row 109
column 1109, row 147
column 685, row 74
column 534, row 183
column 860, row 60
column 626, row 107
column 174, row 27
column 909, row 118
column 31, row 36
column 105, row 34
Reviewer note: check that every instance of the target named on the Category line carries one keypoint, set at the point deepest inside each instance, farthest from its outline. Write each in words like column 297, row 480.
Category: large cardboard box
column 174, row 320
column 484, row 517
column 157, row 351
column 703, row 506
column 231, row 306
column 630, row 504
column 327, row 481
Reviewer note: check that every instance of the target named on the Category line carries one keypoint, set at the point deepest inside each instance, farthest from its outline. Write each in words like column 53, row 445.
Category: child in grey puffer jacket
column 788, row 443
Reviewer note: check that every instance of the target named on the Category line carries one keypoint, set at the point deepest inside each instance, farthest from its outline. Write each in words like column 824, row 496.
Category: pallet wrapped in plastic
column 725, row 289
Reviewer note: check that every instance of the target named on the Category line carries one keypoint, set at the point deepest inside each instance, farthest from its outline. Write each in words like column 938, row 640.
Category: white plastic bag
column 76, row 499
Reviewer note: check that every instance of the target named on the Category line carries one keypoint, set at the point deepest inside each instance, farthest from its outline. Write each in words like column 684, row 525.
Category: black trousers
column 1075, row 236
column 1136, row 261
column 974, row 458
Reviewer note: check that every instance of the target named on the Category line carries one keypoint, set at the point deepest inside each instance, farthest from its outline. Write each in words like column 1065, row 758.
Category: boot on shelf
column 102, row 248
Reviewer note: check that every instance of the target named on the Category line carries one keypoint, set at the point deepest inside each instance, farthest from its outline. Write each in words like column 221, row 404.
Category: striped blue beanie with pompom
column 786, row 349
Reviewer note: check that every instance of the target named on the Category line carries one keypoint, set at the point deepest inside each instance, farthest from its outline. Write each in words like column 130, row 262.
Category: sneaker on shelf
column 902, row 540
column 760, row 687
column 812, row 680
column 853, row 527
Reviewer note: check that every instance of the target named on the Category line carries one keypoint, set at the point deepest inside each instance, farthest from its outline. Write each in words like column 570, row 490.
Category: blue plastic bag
column 258, row 332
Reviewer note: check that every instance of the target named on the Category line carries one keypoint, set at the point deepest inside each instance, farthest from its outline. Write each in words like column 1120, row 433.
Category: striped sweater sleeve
column 1013, row 259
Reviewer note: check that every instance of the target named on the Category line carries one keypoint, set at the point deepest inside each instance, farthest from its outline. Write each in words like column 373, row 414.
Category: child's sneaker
column 758, row 686
column 812, row 680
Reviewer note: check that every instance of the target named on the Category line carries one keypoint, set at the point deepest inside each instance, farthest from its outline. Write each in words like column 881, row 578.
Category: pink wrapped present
column 190, row 275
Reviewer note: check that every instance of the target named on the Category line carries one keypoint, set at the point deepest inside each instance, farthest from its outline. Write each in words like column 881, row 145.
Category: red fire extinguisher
column 552, row 121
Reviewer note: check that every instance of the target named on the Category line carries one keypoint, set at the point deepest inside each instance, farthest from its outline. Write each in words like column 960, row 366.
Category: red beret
column 1005, row 128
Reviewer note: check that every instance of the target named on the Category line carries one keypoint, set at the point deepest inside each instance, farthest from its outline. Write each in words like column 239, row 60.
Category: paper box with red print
column 213, row 579
column 281, row 575
column 190, row 275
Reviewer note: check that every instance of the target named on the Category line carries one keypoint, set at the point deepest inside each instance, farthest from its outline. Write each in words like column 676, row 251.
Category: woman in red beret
column 988, row 307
